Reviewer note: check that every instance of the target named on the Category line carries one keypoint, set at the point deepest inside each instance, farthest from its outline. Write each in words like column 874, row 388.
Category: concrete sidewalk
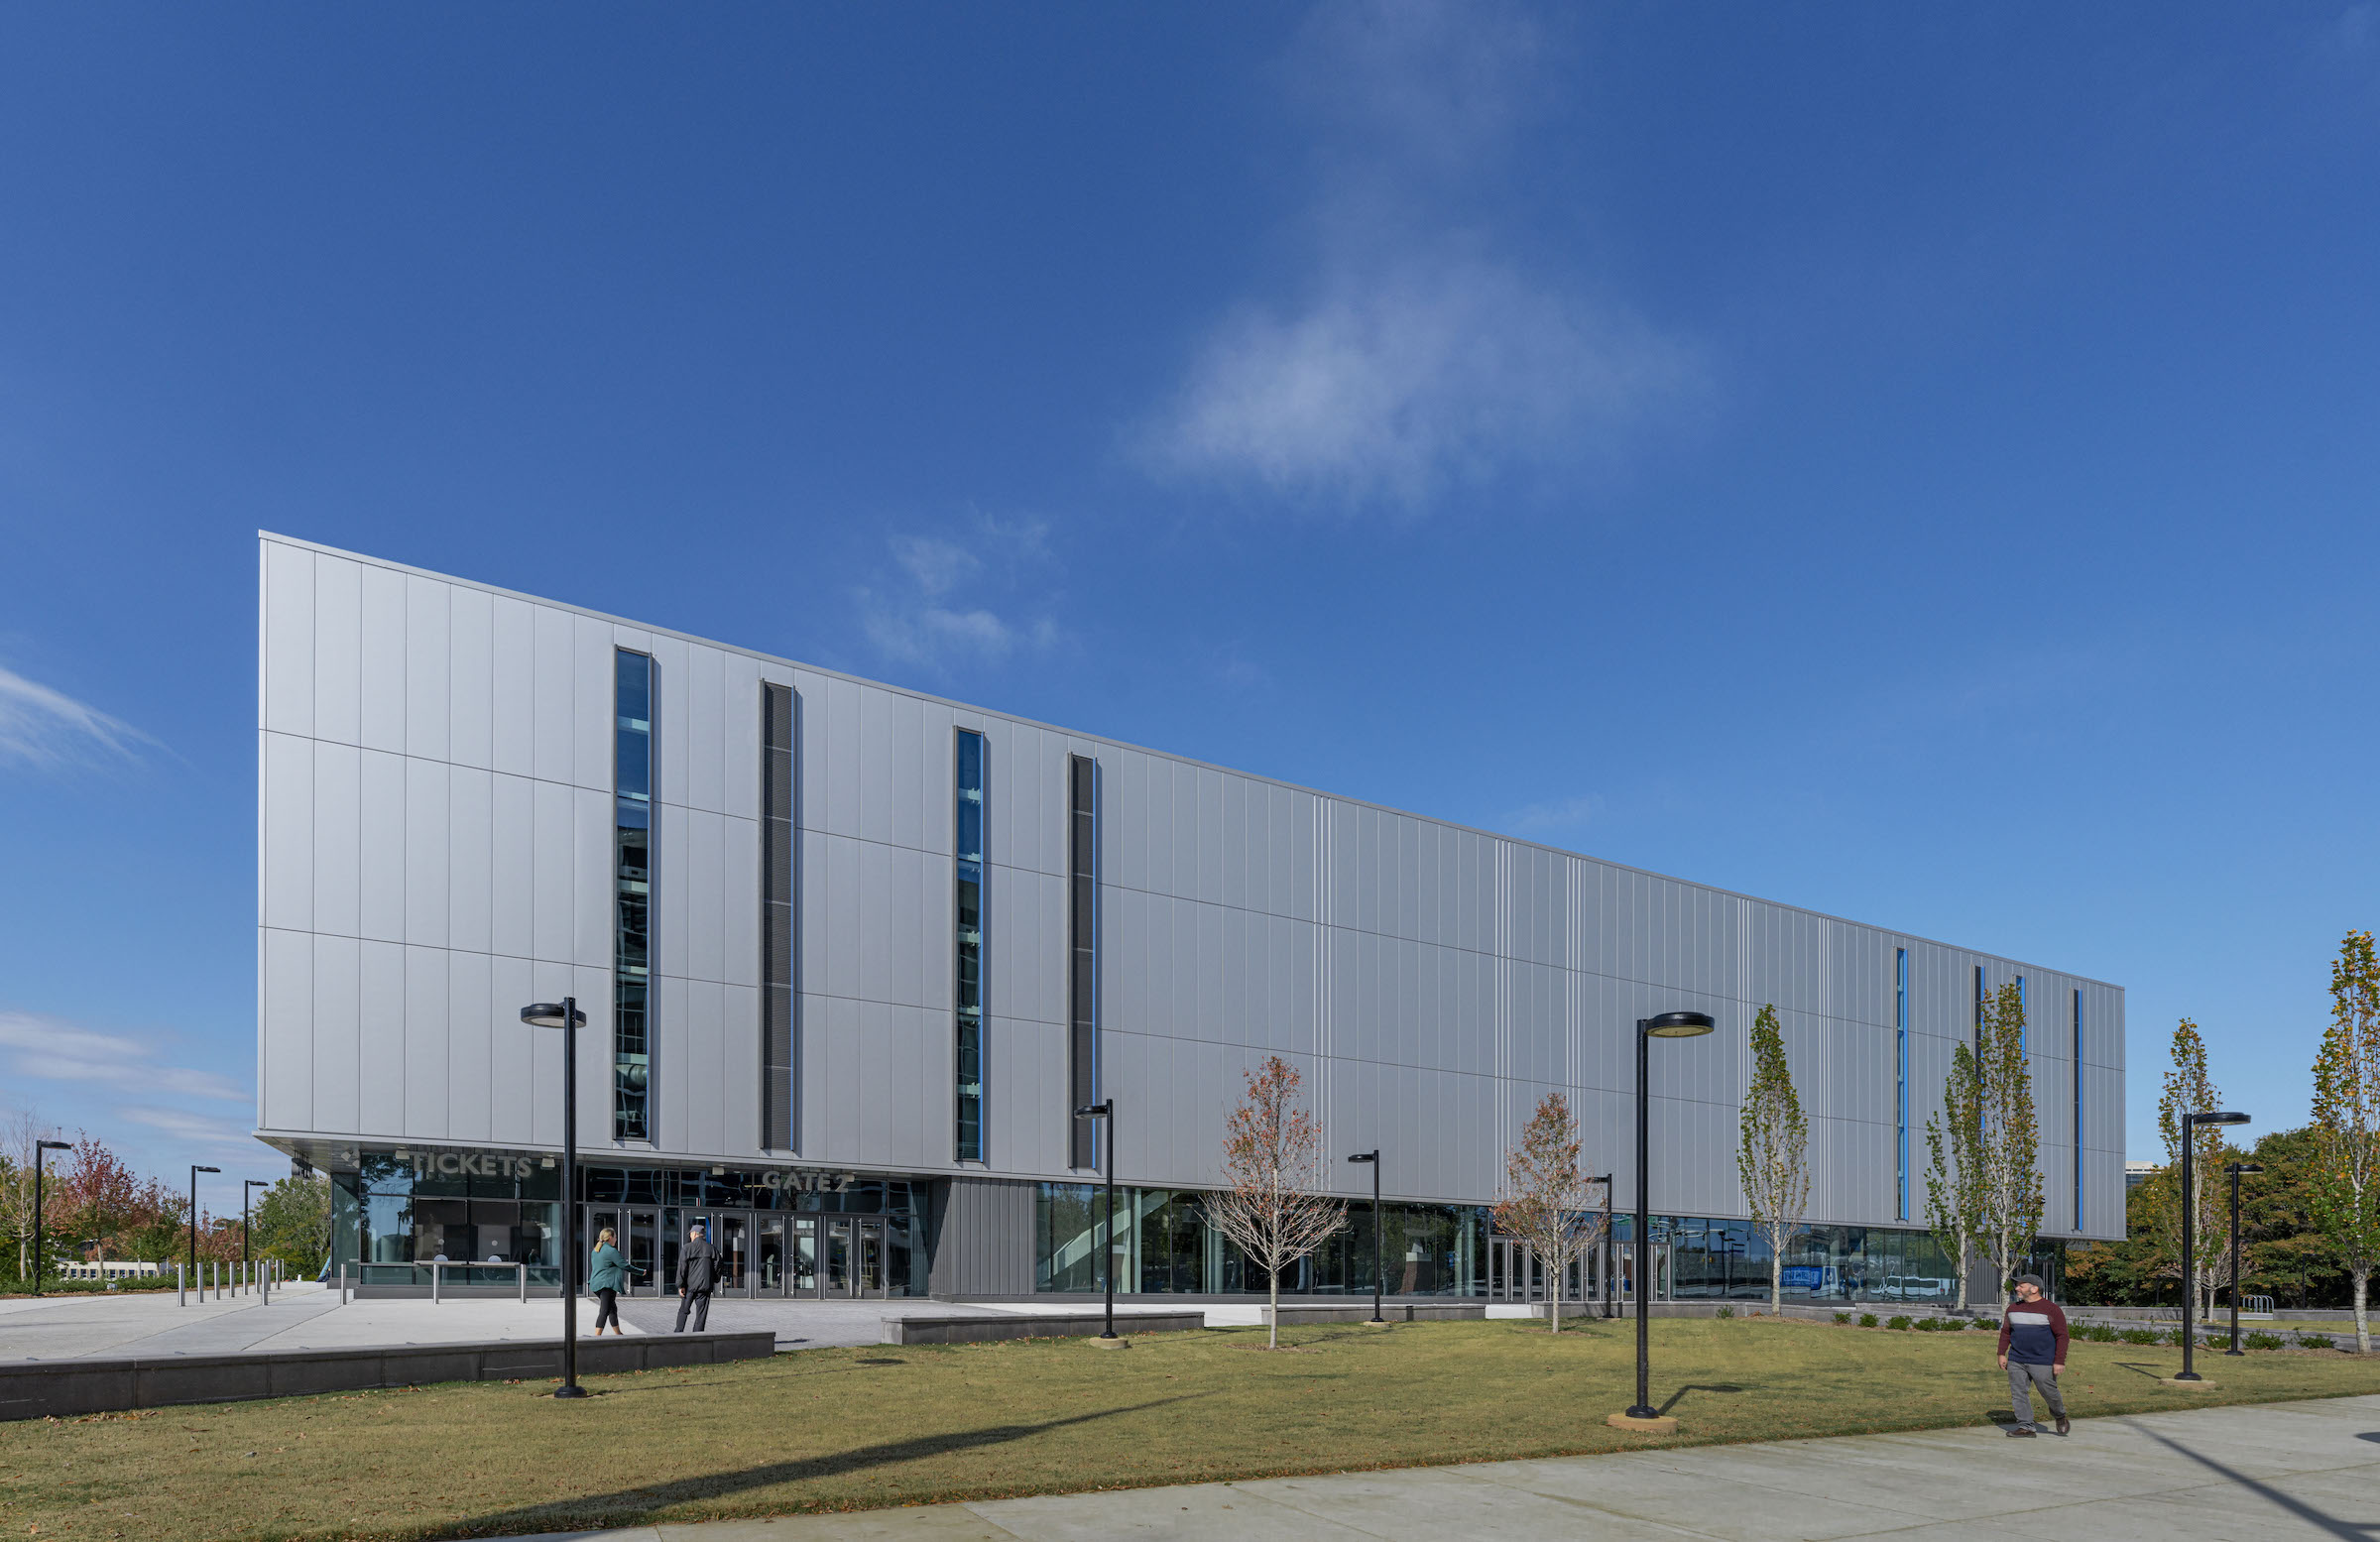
column 299, row 1317
column 2279, row 1471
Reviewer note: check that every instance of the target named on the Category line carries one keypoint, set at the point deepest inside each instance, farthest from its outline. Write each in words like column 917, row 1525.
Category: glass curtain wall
column 1164, row 1247
column 632, row 947
column 387, row 1218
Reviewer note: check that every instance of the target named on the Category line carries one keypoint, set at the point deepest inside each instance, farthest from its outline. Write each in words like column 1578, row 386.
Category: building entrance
column 761, row 1253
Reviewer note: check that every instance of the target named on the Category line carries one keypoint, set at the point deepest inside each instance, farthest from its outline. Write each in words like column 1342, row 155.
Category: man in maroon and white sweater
column 2033, row 1353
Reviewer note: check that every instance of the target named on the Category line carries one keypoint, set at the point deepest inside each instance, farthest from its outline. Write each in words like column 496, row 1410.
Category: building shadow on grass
column 631, row 1505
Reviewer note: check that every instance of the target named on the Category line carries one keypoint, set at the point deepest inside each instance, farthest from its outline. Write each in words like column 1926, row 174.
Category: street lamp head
column 2243, row 1167
column 552, row 1014
column 195, row 1169
column 1365, row 1156
column 1096, row 1110
column 2214, row 1118
column 54, row 1146
column 1678, row 1024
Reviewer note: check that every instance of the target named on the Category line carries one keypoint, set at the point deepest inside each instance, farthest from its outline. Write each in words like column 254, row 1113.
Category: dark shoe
column 2065, row 1425
column 2021, row 1432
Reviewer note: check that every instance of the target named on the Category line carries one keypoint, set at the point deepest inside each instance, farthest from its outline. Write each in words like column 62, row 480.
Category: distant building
column 2137, row 1174
column 111, row 1268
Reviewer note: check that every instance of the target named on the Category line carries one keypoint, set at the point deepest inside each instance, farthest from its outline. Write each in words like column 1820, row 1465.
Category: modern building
column 852, row 957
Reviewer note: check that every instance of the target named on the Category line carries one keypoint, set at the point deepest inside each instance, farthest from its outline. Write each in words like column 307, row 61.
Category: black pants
column 699, row 1301
column 607, row 1309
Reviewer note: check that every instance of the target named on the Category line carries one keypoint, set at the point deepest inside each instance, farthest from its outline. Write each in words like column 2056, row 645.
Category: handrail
column 437, row 1266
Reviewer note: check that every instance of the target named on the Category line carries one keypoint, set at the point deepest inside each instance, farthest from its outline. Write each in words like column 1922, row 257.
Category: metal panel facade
column 434, row 850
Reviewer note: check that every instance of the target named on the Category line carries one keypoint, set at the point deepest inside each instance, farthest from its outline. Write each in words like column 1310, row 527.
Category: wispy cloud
column 185, row 1126
column 937, row 611
column 1556, row 817
column 49, row 1049
column 1394, row 382
column 46, row 728
column 1419, row 352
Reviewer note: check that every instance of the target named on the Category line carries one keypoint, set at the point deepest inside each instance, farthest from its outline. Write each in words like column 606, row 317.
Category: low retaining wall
column 64, row 1388
column 1392, row 1311
column 1033, row 1325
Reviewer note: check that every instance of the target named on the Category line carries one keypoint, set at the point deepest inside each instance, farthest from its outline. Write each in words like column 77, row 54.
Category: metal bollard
column 434, row 1284
column 181, row 1288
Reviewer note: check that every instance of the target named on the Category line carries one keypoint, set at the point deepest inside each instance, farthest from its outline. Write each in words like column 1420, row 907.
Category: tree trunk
column 1272, row 1324
column 1776, row 1282
column 2363, row 1316
column 1959, row 1268
column 1554, row 1281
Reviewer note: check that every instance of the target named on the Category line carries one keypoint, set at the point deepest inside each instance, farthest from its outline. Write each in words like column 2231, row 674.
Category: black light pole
column 195, row 1170
column 2235, row 1170
column 39, row 1147
column 1107, row 1139
column 2190, row 1241
column 565, row 1016
column 1669, row 1025
column 1373, row 1157
column 1605, row 1181
column 252, row 1183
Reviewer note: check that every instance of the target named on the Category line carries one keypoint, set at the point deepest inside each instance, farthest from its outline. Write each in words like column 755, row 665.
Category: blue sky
column 1917, row 466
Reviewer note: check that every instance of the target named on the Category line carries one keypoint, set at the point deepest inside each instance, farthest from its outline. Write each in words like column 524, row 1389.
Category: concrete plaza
column 2277, row 1470
column 297, row 1317
column 308, row 1315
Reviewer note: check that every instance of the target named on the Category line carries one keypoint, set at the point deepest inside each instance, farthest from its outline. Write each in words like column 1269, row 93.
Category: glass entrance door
column 732, row 1234
column 835, row 1278
column 769, row 1256
column 867, row 1277
column 639, row 1248
column 802, row 1256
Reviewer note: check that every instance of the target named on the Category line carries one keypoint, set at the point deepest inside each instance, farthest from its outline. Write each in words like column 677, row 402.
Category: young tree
column 2187, row 1090
column 1772, row 1154
column 1273, row 1205
column 1955, row 1166
column 1545, row 1201
column 292, row 1223
column 2345, row 1192
column 19, row 1130
column 2008, row 1137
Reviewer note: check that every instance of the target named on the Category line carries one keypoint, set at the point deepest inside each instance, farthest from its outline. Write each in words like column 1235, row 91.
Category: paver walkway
column 2280, row 1470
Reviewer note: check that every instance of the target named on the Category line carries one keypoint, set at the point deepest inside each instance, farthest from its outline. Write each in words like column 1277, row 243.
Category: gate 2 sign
column 808, row 1182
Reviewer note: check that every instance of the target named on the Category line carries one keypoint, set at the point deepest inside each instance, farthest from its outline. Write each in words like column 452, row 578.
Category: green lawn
column 848, row 1429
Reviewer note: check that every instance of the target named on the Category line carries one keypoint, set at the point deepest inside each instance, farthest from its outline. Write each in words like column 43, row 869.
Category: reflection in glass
column 632, row 950
column 838, row 1258
column 968, row 965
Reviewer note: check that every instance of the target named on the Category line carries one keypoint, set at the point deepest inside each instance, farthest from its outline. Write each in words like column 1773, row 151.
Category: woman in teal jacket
column 607, row 1276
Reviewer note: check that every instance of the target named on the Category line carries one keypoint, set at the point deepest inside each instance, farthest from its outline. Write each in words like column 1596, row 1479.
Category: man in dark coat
column 698, row 1272
column 2033, row 1340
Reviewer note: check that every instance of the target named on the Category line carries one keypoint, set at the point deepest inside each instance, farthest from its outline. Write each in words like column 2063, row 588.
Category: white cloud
column 45, row 728
column 47, row 1049
column 937, row 565
column 1562, row 814
column 927, row 634
column 1391, row 384
column 196, row 1128
column 1419, row 353
column 923, row 617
